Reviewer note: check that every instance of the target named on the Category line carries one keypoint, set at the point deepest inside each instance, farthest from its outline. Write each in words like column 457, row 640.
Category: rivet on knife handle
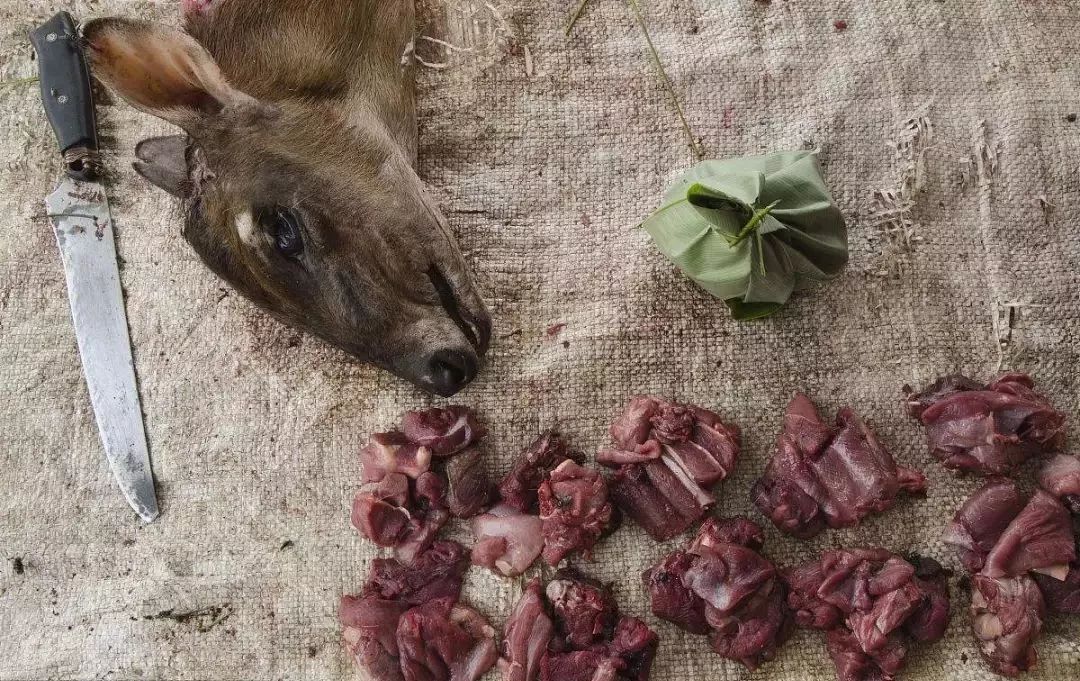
column 65, row 92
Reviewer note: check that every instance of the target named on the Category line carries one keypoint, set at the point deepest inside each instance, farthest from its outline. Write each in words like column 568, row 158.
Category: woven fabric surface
column 949, row 138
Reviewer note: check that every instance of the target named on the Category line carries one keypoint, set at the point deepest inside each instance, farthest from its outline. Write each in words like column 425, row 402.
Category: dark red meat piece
column 585, row 639
column 613, row 457
column 519, row 488
column 387, row 453
column 580, row 665
column 469, row 490
column 670, row 598
column 828, row 475
column 753, row 631
column 635, row 644
column 370, row 618
column 723, row 587
column 444, row 431
column 917, row 402
column 854, row 664
column 987, row 430
column 420, row 532
column 525, row 639
column 1061, row 595
column 981, row 519
column 655, row 498
column 1040, row 538
column 696, row 440
column 444, row 641
column 668, row 455
column 404, row 503
column 436, row 573
column 574, row 510
column 370, row 635
column 1006, row 618
column 725, row 575
column 1060, row 476
column 871, row 602
column 585, row 610
column 929, row 621
column 379, row 511
column 507, row 540
column 634, row 425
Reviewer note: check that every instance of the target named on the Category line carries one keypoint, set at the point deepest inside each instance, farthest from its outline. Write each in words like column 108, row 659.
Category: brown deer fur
column 305, row 108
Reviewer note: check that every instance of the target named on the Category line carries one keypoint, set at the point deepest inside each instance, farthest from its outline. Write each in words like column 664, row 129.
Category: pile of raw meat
column 828, row 475
column 721, row 586
column 406, row 624
column 872, row 603
column 549, row 505
column 1020, row 549
column 668, row 456
column 418, row 477
column 572, row 631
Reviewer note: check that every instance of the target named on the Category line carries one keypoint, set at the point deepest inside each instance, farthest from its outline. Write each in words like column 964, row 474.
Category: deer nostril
column 451, row 370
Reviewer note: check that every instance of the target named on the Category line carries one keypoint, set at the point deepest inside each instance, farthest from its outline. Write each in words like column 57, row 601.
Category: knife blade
column 83, row 225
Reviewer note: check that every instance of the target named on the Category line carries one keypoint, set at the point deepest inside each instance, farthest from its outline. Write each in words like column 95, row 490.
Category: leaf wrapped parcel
column 751, row 230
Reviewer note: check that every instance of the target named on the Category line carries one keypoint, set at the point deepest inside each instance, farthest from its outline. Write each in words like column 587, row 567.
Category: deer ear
column 163, row 161
column 158, row 69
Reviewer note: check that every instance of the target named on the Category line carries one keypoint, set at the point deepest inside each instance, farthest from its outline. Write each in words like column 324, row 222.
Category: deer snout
column 451, row 370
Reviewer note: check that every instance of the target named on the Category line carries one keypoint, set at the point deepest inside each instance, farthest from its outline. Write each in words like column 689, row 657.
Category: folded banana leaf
column 751, row 230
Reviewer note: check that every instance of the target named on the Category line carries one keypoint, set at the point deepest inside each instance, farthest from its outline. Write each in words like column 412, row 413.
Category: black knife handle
column 65, row 92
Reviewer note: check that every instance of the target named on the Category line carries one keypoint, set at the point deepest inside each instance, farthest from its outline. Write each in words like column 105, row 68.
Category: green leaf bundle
column 752, row 230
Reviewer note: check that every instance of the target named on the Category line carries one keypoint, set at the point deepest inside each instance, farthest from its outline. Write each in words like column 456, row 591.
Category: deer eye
column 286, row 233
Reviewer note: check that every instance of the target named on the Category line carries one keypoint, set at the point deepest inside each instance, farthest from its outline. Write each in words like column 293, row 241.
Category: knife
column 80, row 215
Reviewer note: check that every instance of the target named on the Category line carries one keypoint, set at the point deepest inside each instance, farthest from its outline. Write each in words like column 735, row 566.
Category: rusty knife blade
column 83, row 225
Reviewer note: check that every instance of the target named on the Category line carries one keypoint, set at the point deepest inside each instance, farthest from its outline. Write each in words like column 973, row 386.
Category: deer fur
column 300, row 122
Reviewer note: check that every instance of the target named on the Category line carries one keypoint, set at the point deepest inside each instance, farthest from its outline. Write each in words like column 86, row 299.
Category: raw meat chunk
column 444, row 431
column 392, row 452
column 654, row 497
column 469, row 490
column 721, row 586
column 1040, row 539
column 987, row 430
column 1006, row 618
column 668, row 455
column 436, row 573
column 585, row 610
column 981, row 519
column 580, row 665
column 871, row 602
column 635, row 644
column 574, row 510
column 586, row 640
column 1060, row 476
column 370, row 635
column 370, row 618
column 379, row 511
column 528, row 631
column 853, row 664
column 507, row 540
column 670, row 598
column 519, row 488
column 419, row 534
column 1061, row 595
column 828, row 475
column 444, row 641
column 694, row 439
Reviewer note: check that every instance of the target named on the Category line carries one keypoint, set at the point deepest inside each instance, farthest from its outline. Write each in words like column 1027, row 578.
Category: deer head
column 305, row 199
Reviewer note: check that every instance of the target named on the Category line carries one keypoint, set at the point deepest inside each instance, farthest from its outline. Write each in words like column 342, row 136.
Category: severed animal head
column 297, row 181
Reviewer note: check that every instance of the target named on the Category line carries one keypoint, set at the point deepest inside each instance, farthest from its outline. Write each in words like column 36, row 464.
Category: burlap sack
column 949, row 137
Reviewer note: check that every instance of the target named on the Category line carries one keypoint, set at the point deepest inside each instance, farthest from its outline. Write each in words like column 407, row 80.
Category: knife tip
column 148, row 513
